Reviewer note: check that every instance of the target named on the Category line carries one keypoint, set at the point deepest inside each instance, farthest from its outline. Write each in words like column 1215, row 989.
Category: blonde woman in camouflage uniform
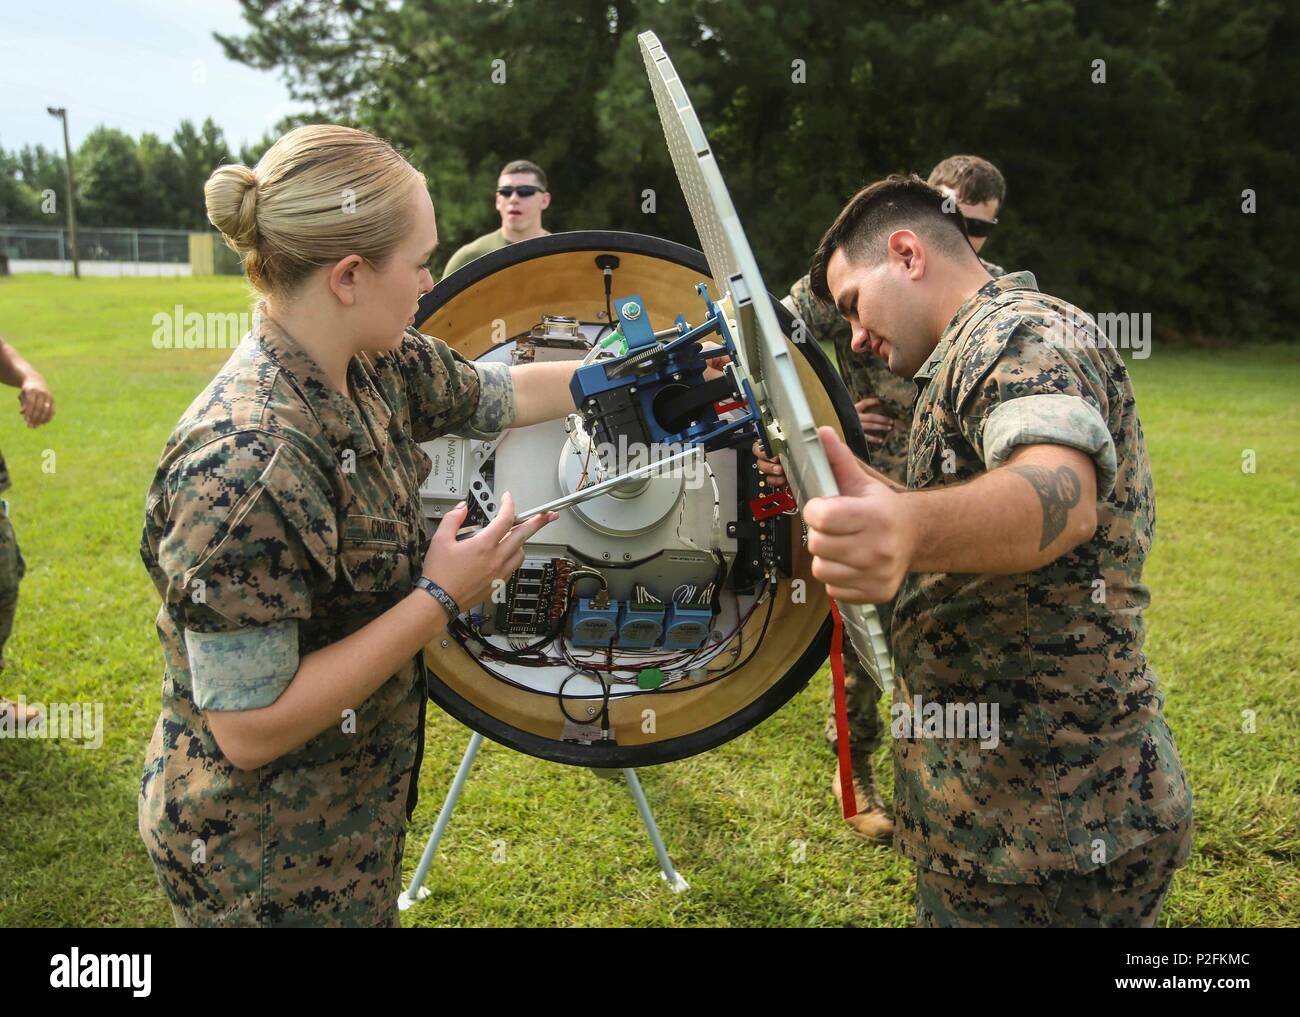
column 285, row 536
column 884, row 404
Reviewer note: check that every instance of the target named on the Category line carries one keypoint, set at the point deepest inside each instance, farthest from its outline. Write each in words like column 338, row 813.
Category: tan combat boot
column 873, row 822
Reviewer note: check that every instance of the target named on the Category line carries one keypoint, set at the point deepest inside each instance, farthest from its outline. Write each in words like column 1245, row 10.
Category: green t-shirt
column 493, row 241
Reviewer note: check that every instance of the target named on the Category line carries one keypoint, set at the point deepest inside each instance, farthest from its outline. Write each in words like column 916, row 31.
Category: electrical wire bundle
column 643, row 596
column 677, row 667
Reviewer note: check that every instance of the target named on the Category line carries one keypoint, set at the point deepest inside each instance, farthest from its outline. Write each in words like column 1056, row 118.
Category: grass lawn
column 751, row 825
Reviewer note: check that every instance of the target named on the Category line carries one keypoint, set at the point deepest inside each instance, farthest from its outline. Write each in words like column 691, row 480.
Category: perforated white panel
column 764, row 356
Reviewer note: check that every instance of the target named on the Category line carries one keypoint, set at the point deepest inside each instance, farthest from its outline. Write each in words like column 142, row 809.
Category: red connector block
column 768, row 505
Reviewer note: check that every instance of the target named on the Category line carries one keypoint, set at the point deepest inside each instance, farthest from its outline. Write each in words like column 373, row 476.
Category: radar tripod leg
column 417, row 891
column 671, row 876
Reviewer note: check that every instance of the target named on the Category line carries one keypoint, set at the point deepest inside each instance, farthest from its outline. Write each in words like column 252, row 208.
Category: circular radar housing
column 662, row 662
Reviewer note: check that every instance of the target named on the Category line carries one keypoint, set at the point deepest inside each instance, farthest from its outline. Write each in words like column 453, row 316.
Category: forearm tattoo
column 1058, row 490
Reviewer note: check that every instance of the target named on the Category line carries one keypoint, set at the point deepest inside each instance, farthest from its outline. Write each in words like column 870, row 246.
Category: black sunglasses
column 980, row 227
column 524, row 191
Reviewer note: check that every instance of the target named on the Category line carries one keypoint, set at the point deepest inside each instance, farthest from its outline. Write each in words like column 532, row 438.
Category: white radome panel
column 763, row 354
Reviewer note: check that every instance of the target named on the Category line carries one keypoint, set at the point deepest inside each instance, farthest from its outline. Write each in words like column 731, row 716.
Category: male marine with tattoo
column 884, row 404
column 1016, row 550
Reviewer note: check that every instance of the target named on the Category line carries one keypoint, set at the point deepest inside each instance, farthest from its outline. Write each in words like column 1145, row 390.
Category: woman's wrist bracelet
column 444, row 598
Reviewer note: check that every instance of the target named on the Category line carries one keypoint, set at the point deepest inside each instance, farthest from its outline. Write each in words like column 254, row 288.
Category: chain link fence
column 102, row 250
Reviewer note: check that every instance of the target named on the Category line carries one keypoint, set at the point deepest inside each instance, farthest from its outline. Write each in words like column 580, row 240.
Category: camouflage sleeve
column 1035, row 392
column 248, row 518
column 1051, row 419
column 496, row 402
column 450, row 395
column 242, row 670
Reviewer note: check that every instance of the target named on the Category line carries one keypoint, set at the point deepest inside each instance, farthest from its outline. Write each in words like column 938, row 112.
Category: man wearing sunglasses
column 521, row 198
column 884, row 405
column 979, row 190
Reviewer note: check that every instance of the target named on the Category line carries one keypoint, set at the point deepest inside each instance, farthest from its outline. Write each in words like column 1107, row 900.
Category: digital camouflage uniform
column 865, row 375
column 1083, row 799
column 12, row 567
column 282, row 518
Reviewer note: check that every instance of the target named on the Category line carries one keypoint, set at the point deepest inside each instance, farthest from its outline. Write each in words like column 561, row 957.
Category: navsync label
column 76, row 970
column 447, row 478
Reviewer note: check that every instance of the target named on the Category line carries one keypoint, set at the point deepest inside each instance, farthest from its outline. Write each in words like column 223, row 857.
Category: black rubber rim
column 814, row 655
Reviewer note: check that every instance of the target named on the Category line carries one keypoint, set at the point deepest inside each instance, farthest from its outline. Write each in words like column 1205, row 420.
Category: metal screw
column 591, row 711
column 605, row 556
column 627, row 556
column 631, row 311
column 444, row 644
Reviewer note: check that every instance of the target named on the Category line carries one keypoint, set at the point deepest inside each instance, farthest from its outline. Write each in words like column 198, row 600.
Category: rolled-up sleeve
column 248, row 521
column 1051, row 419
column 244, row 669
column 1032, row 391
column 496, row 402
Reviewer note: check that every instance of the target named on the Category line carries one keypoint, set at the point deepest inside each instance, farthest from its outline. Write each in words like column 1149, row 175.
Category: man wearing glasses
column 521, row 198
column 979, row 190
column 884, row 404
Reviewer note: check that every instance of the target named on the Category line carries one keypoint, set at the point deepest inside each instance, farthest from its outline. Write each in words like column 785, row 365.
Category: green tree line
column 121, row 181
column 1148, row 144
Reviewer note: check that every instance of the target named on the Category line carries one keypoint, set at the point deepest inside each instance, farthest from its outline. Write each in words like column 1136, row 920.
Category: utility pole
column 61, row 113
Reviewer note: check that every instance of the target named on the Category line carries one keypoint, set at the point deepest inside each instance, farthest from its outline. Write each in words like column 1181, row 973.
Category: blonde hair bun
column 320, row 193
column 231, row 197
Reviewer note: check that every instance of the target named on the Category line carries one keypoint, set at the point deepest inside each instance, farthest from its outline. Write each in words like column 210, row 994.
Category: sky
column 137, row 65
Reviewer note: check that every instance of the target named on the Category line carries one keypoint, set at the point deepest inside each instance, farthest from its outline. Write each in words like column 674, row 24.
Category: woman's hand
column 469, row 569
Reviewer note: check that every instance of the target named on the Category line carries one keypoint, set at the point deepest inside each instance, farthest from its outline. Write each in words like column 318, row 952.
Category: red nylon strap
column 849, row 799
